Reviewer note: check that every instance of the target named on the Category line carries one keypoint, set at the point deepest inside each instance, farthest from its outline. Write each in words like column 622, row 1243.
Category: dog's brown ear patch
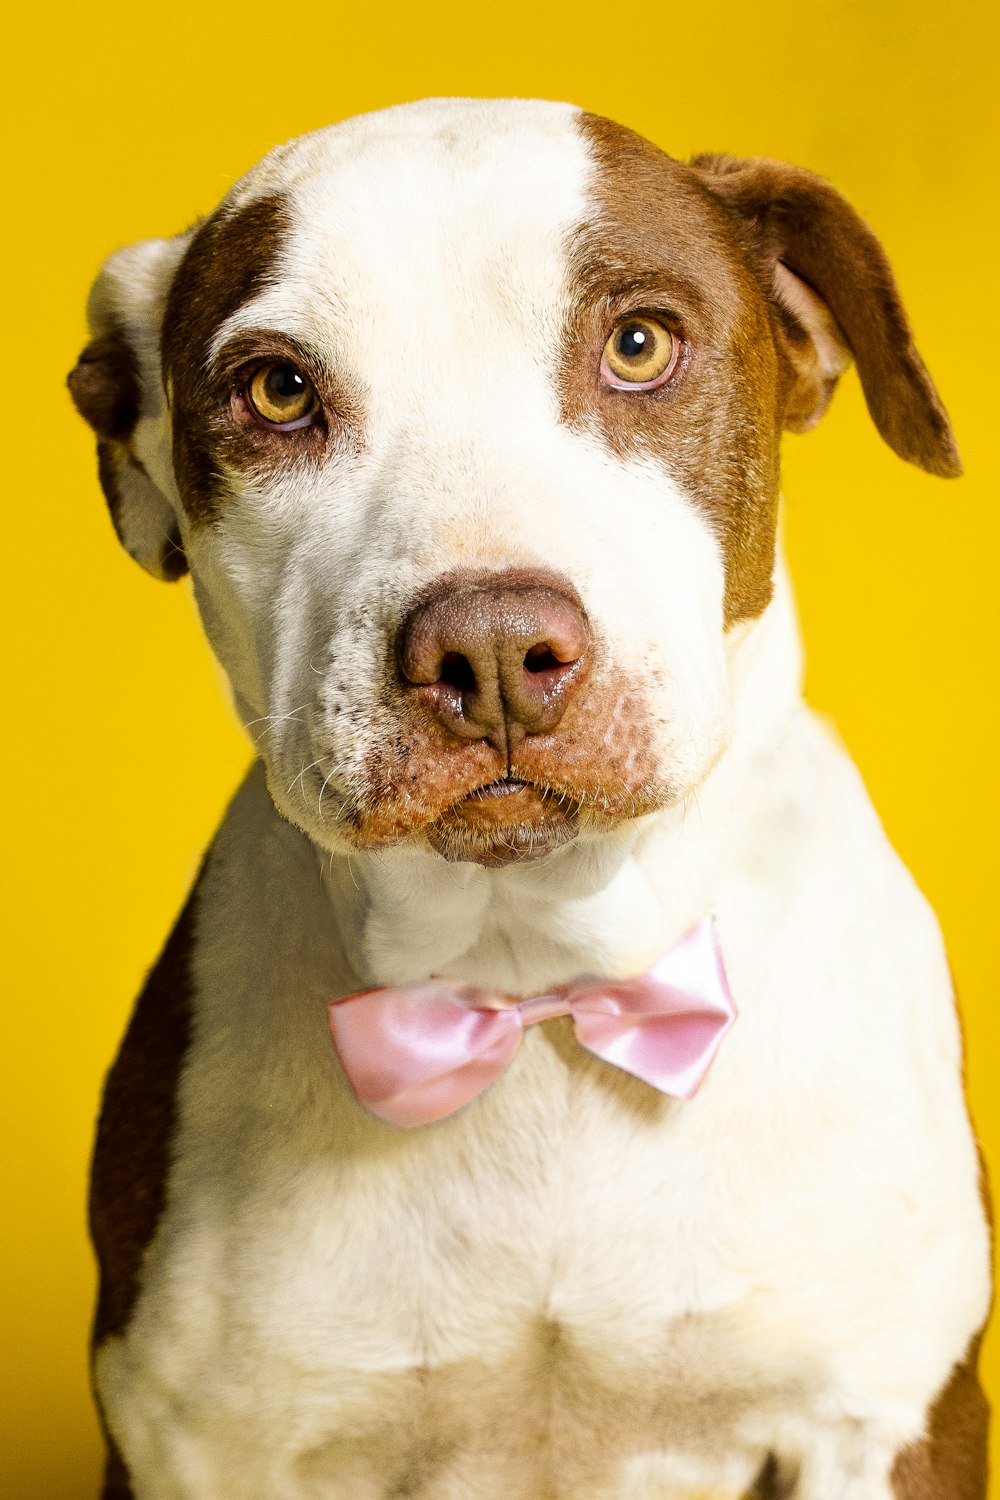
column 106, row 388
column 144, row 523
column 817, row 250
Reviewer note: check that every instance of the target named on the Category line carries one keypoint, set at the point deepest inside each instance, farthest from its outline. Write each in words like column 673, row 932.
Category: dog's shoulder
column 140, row 1107
column 137, row 1122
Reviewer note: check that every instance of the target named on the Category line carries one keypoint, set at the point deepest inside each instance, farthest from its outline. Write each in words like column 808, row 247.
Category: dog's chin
column 507, row 822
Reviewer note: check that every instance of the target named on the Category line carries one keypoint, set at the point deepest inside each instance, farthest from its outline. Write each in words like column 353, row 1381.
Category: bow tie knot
column 416, row 1053
column 543, row 1008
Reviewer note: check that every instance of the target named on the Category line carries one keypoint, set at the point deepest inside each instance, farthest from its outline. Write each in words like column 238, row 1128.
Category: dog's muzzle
column 509, row 727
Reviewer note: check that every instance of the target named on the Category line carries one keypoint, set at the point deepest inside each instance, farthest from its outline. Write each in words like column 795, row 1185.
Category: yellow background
column 127, row 121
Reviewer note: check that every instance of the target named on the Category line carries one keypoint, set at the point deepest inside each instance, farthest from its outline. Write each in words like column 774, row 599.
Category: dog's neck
column 608, row 903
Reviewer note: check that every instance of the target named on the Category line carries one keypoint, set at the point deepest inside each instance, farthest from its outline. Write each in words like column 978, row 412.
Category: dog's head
column 465, row 417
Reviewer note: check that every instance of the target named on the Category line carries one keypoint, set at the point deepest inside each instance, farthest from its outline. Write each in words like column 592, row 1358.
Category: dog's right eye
column 281, row 396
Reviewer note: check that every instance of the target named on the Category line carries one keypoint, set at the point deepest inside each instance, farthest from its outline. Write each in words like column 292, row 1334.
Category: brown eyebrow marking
column 654, row 291
column 231, row 258
column 654, row 228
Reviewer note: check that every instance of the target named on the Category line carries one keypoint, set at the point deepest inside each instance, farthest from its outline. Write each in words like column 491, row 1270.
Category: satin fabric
column 416, row 1053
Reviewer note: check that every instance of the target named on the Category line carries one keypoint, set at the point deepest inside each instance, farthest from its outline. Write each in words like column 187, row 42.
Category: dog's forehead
column 461, row 144
column 414, row 214
column 459, row 130
column 482, row 208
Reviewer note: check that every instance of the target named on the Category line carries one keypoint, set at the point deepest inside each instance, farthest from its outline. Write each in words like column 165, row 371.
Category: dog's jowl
column 552, row 1089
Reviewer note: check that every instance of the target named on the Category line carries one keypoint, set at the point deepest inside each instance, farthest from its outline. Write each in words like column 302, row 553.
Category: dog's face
column 465, row 418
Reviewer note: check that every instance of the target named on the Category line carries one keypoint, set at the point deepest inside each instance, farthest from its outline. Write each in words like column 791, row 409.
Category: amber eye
column 279, row 394
column 640, row 352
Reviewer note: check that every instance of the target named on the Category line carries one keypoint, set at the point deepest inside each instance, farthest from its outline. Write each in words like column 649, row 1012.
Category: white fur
column 575, row 1287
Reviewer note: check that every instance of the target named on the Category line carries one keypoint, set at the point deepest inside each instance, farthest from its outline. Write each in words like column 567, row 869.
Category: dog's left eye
column 281, row 396
column 640, row 355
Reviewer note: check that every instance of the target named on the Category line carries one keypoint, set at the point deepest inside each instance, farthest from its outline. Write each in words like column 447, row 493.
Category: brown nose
column 498, row 659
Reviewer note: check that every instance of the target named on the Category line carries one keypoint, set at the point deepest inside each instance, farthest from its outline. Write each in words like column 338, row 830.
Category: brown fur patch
column 755, row 360
column 132, row 1153
column 117, row 469
column 117, row 1485
column 600, row 754
column 111, row 457
column 659, row 243
column 801, row 221
column 412, row 778
column 230, row 259
column 951, row 1463
column 106, row 387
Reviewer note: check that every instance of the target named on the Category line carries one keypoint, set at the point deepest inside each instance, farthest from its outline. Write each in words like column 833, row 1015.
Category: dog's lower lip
column 505, row 786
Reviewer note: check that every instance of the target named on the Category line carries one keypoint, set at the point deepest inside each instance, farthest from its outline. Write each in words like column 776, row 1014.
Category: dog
column 465, row 418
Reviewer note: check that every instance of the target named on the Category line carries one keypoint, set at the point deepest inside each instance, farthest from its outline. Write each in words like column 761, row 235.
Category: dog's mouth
column 470, row 801
column 504, row 786
column 505, row 822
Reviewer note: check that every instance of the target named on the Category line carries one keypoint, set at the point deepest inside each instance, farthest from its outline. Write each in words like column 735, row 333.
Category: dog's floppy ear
column 118, row 389
column 836, row 296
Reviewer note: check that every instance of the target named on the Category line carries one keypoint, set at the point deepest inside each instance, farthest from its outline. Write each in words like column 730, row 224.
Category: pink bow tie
column 417, row 1052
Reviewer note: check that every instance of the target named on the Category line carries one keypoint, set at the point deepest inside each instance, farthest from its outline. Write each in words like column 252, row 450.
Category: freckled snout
column 496, row 659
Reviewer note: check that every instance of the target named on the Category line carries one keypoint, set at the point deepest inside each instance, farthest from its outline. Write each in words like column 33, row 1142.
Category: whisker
column 276, row 720
column 302, row 773
column 326, row 783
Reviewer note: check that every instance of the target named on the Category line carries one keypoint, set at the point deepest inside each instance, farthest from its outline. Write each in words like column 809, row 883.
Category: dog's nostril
column 542, row 659
column 457, row 672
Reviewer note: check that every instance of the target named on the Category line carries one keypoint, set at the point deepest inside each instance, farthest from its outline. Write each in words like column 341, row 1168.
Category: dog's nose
column 496, row 659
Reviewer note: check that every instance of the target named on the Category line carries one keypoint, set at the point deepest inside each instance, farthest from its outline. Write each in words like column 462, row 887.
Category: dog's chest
column 550, row 1299
column 567, row 1299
